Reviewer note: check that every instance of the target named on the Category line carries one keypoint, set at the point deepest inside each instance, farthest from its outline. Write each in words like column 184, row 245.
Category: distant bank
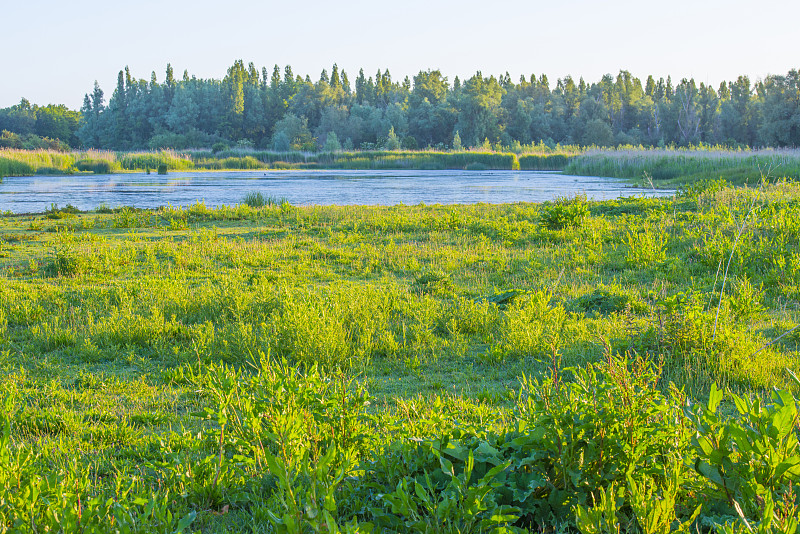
column 646, row 166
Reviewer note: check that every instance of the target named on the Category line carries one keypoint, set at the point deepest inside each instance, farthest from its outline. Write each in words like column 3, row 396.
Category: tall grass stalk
column 687, row 165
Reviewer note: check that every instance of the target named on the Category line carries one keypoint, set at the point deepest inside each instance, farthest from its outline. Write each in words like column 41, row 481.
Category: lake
column 323, row 187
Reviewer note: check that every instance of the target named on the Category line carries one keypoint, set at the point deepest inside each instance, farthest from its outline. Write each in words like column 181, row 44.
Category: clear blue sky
column 54, row 50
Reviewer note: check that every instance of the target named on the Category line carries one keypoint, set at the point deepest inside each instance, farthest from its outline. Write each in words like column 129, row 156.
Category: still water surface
column 37, row 193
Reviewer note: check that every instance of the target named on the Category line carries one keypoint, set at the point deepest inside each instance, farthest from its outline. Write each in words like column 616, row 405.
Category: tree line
column 32, row 126
column 282, row 111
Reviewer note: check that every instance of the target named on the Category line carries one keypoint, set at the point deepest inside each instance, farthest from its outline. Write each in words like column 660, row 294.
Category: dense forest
column 282, row 111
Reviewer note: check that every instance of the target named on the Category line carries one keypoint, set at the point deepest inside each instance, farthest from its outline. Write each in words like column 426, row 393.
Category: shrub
column 606, row 300
column 564, row 213
column 64, row 262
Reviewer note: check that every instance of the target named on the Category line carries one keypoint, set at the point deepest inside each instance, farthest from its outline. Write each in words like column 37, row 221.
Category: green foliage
column 255, row 199
column 65, row 262
column 416, row 160
column 645, row 246
column 152, row 160
column 392, row 142
column 12, row 167
column 606, row 300
column 248, row 108
column 26, row 163
column 711, row 167
column 576, row 442
column 475, row 167
column 332, row 143
column 457, row 142
column 752, row 460
column 246, row 162
column 100, row 166
column 547, row 162
column 402, row 368
column 564, row 213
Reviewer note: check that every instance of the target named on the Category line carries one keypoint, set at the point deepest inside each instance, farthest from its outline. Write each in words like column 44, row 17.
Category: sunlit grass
column 132, row 340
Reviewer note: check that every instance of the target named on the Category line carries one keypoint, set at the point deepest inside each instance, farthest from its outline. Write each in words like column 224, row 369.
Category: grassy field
column 522, row 367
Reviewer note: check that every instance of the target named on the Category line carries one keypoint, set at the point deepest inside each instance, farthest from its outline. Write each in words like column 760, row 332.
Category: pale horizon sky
column 55, row 50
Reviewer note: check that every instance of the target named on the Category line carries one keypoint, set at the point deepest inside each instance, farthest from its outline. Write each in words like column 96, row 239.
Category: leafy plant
column 564, row 213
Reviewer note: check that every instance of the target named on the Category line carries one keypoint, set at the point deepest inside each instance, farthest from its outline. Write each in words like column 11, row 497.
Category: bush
column 65, row 262
column 564, row 213
column 162, row 168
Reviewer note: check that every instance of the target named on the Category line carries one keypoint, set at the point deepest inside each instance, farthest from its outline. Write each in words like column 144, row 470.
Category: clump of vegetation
column 153, row 160
column 219, row 147
column 100, row 166
column 564, row 213
column 606, row 300
column 255, row 199
column 12, row 167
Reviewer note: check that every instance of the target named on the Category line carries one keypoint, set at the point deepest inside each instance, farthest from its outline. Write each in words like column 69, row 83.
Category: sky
column 53, row 51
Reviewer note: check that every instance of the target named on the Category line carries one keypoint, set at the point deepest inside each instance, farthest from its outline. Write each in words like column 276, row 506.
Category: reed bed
column 152, row 160
column 545, row 162
column 28, row 162
column 688, row 164
column 473, row 160
column 666, row 166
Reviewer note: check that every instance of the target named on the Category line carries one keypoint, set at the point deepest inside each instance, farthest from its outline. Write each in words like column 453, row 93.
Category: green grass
column 152, row 160
column 29, row 162
column 26, row 163
column 673, row 167
column 195, row 364
column 666, row 168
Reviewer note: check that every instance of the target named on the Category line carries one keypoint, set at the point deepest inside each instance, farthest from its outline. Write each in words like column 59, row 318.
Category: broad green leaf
column 709, row 471
column 714, row 398
column 447, row 466
column 185, row 522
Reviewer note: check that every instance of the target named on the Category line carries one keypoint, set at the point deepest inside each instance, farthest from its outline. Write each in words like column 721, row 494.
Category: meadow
column 611, row 366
